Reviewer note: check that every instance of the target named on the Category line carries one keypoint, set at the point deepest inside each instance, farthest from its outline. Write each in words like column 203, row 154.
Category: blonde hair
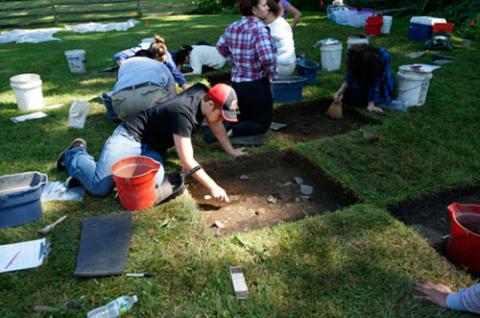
column 158, row 48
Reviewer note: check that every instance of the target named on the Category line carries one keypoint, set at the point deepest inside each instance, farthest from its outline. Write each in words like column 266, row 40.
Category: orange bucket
column 464, row 244
column 135, row 181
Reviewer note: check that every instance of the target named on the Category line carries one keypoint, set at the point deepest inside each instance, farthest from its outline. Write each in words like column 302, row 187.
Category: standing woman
column 250, row 46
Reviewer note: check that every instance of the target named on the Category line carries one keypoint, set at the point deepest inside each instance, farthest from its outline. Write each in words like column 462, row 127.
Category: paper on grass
column 35, row 115
column 23, row 255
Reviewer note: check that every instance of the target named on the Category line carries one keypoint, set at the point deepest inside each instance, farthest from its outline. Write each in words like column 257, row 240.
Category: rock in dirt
column 207, row 197
column 298, row 180
column 244, row 177
column 259, row 211
column 305, row 197
column 297, row 199
column 306, row 189
column 218, row 224
column 271, row 199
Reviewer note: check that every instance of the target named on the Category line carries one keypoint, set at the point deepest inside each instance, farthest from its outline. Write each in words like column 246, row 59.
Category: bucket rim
column 33, row 77
column 74, row 52
column 117, row 165
column 458, row 206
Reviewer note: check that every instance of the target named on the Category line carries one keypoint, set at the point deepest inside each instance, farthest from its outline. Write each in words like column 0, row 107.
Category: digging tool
column 173, row 185
column 49, row 227
column 335, row 111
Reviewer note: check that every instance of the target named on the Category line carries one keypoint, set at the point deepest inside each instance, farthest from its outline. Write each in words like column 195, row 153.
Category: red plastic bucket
column 373, row 25
column 135, row 181
column 464, row 243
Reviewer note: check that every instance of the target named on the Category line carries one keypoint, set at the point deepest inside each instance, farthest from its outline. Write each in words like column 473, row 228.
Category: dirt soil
column 263, row 192
column 429, row 215
column 307, row 120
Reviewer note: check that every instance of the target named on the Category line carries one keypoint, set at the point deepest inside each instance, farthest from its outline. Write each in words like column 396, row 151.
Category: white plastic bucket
column 356, row 40
column 413, row 87
column 331, row 56
column 76, row 60
column 387, row 24
column 28, row 91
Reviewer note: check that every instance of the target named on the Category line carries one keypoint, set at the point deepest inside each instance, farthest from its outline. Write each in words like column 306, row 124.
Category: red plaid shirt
column 249, row 43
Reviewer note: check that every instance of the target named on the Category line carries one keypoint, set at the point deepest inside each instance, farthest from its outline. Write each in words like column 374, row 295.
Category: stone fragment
column 306, row 189
column 218, row 224
column 207, row 197
column 271, row 199
column 244, row 177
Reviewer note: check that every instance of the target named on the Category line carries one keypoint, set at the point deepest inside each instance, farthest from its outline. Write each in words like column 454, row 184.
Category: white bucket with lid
column 413, row 87
column 28, row 91
column 331, row 57
column 76, row 60
column 356, row 39
column 387, row 24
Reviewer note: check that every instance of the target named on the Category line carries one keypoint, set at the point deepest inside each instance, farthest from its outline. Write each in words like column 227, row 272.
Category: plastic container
column 419, row 32
column 288, row 88
column 76, row 61
column 357, row 39
column 135, row 181
column 464, row 242
column 308, row 69
column 28, row 91
column 442, row 27
column 373, row 25
column 387, row 24
column 413, row 87
column 78, row 113
column 148, row 40
column 420, row 27
column 20, row 198
column 331, row 57
column 114, row 308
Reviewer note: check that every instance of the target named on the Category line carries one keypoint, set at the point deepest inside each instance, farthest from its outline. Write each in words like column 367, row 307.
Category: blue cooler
column 420, row 28
column 308, row 68
column 20, row 198
column 287, row 88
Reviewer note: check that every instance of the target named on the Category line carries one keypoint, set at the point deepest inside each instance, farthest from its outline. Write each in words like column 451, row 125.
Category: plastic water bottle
column 114, row 308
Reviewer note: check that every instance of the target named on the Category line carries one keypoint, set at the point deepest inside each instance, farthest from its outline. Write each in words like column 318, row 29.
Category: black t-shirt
column 181, row 115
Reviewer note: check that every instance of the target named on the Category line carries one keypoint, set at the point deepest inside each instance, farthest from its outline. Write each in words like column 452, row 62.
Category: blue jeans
column 96, row 177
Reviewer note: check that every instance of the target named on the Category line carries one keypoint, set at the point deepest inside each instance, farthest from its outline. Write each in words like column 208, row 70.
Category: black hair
column 246, row 7
column 181, row 55
column 274, row 7
column 365, row 64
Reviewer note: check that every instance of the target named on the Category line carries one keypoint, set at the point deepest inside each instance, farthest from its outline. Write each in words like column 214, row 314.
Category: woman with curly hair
column 369, row 81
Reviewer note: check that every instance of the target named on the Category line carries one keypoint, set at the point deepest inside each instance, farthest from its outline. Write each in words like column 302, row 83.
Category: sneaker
column 78, row 142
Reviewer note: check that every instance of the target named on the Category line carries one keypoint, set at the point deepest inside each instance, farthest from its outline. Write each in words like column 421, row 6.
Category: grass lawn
column 354, row 262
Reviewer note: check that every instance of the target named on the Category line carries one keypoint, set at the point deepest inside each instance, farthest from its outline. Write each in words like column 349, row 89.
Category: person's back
column 283, row 37
column 205, row 55
column 137, row 70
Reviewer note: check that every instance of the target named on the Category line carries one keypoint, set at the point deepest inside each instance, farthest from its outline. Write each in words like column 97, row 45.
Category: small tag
column 239, row 283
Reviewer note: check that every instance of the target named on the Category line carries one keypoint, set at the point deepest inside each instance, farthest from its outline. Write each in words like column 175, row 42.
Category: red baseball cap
column 225, row 96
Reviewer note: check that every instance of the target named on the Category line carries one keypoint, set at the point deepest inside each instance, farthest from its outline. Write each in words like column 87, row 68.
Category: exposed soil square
column 263, row 192
column 307, row 120
column 429, row 214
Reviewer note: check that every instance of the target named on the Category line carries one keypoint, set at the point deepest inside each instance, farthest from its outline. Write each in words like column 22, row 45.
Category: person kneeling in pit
column 369, row 81
column 153, row 131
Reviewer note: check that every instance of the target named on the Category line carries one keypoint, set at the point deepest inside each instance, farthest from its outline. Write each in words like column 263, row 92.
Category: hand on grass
column 238, row 152
column 219, row 194
column 374, row 109
column 436, row 293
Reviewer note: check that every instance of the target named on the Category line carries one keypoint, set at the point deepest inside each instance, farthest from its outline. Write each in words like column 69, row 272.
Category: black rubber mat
column 104, row 245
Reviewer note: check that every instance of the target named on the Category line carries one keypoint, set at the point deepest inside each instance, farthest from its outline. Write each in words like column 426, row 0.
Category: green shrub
column 213, row 6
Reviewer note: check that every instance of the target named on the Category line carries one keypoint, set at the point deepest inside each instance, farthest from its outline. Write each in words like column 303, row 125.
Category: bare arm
column 184, row 148
column 296, row 15
column 221, row 134
column 338, row 96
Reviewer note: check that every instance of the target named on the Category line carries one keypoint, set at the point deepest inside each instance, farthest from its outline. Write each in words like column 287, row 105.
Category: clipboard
column 23, row 255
